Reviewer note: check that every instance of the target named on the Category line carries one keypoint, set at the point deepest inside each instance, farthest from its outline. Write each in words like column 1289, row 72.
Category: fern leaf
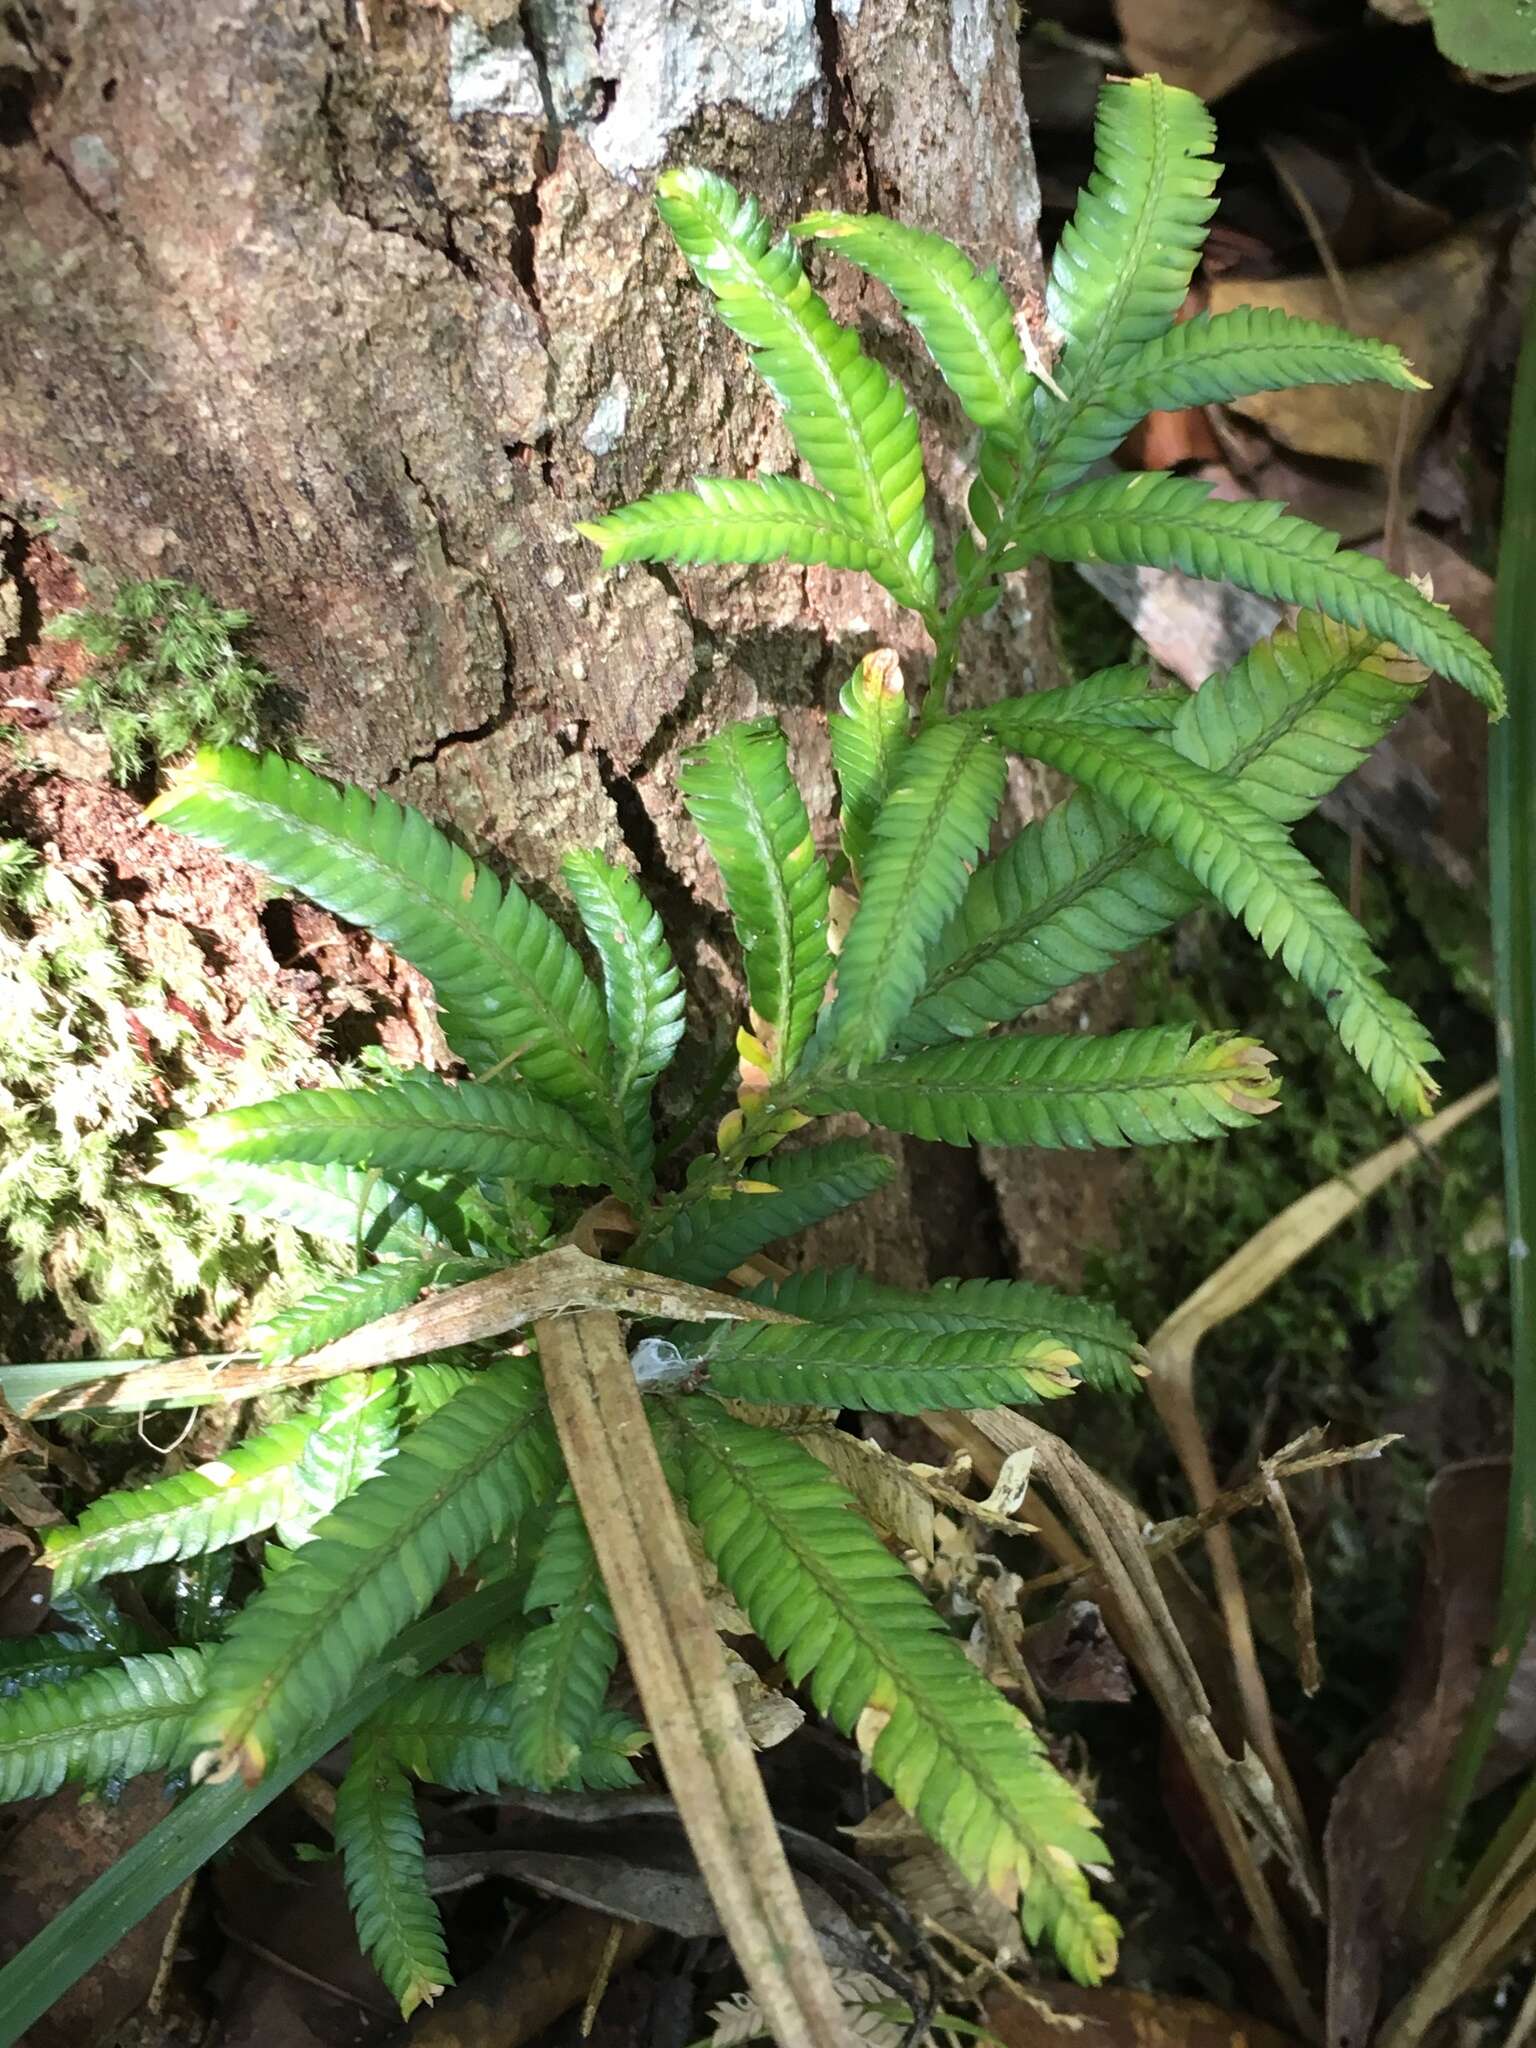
column 1107, row 1350
column 344, row 1305
column 725, row 519
column 459, row 1481
column 826, row 1596
column 1214, row 358
column 849, row 421
column 1125, row 259
column 357, row 1425
column 705, row 1238
column 456, row 1731
column 869, row 742
column 512, row 988
column 109, row 1724
column 49, row 1658
column 1076, row 890
column 963, row 315
column 1172, row 522
column 934, row 822
column 186, row 1513
column 378, row 1832
column 416, row 1123
column 561, row 1676
column 642, row 987
column 341, row 1203
column 743, row 799
column 1131, row 1088
column 890, row 1369
column 1250, row 866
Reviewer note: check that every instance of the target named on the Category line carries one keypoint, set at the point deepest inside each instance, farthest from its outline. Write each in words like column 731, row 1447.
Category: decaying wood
column 686, row 1695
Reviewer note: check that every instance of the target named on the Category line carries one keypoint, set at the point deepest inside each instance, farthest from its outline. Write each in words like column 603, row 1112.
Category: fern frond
column 1173, row 522
column 869, row 735
column 378, row 1832
column 511, row 986
column 963, row 315
column 1248, row 863
column 887, row 1368
column 459, row 1481
column 186, row 1513
column 417, row 1123
column 742, row 796
column 825, row 1595
column 705, row 1238
column 1106, row 1346
column 357, row 1425
column 1125, row 259
column 641, row 984
column 1077, row 889
column 849, row 421
column 340, row 1203
column 115, row 1723
column 456, row 1731
column 726, row 519
column 1150, row 1087
column 931, row 827
column 49, row 1658
column 561, row 1676
column 344, row 1305
column 1214, row 358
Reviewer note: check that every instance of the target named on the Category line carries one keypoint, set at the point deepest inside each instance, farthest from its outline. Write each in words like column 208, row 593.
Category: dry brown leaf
column 1125, row 2019
column 771, row 1717
column 933, row 1887
column 1209, row 48
column 882, row 1485
column 1430, row 304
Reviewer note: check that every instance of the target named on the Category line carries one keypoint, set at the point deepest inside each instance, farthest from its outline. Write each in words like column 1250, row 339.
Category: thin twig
column 1308, row 1664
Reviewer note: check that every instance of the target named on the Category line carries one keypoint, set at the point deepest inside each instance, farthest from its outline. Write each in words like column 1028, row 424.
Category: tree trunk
column 345, row 310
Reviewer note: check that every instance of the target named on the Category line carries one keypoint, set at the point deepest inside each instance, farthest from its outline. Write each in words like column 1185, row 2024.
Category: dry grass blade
column 679, row 1668
column 556, row 1283
column 1139, row 1616
column 1267, row 1256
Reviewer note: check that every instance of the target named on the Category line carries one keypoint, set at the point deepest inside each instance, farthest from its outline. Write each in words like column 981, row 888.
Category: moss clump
column 169, row 675
column 95, row 1050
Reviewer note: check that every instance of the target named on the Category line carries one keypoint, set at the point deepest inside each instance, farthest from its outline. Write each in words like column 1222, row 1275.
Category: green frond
column 726, row 519
column 931, row 827
column 1125, row 259
column 1248, row 863
column 49, row 1658
column 103, row 1725
column 963, row 315
column 560, row 1679
column 641, row 984
column 458, row 1732
column 1150, row 1087
column 357, row 1425
column 705, row 1238
column 184, row 1514
column 888, row 1368
column 851, row 424
column 459, row 1481
column 1214, row 358
column 378, row 1832
column 1173, row 522
column 825, row 1595
column 742, row 796
column 341, row 1203
column 1123, row 695
column 1078, row 889
column 511, row 986
column 344, row 1305
column 870, row 736
column 417, row 1123
column 1106, row 1346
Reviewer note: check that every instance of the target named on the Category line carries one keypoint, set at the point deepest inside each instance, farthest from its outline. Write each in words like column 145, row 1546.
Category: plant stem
column 1512, row 851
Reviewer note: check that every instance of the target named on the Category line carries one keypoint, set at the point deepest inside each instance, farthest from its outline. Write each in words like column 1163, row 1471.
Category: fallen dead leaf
column 1124, row 2019
column 1209, row 49
column 1073, row 1656
column 1430, row 304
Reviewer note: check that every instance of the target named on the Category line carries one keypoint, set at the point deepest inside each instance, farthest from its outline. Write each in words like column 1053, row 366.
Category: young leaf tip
column 1249, row 1086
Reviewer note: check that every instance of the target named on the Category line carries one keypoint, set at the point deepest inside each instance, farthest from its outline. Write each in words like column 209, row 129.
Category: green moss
column 94, row 1053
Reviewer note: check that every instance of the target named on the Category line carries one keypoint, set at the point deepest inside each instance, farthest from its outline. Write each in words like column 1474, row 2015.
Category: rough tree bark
column 346, row 309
